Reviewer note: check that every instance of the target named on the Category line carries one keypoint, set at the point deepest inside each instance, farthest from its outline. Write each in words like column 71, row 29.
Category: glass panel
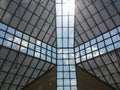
column 65, row 21
column 2, row 34
column 59, row 32
column 19, row 34
column 9, row 37
column 71, row 21
column 59, row 42
column 59, row 22
column 65, row 32
column 11, row 30
column 58, row 7
column 17, row 40
column 26, row 37
column 105, row 43
column 3, row 26
column 26, row 44
column 65, row 40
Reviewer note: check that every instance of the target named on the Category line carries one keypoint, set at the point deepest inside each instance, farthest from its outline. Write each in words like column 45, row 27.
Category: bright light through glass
column 68, row 7
column 65, row 39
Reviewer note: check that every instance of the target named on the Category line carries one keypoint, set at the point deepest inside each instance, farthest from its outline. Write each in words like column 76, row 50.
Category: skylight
column 100, row 45
column 11, row 38
column 66, row 73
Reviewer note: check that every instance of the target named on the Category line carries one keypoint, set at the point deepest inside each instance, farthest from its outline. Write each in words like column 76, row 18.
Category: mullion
column 116, row 55
column 69, row 48
column 31, row 16
column 19, row 69
column 97, row 12
column 23, row 14
column 30, row 75
column 2, row 67
column 9, row 70
column 10, row 21
column 97, row 44
column 26, row 72
column 108, row 71
column 42, row 68
column 84, row 20
column 5, row 59
column 37, row 76
column 34, row 10
column 21, row 19
column 117, row 30
column 40, row 16
column 48, row 27
column 12, row 41
column 16, row 43
column 102, row 66
column 52, row 32
column 103, row 41
column 63, row 54
column 5, row 10
column 107, row 68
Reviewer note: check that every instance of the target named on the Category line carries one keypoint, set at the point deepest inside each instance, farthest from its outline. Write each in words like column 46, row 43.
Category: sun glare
column 69, row 7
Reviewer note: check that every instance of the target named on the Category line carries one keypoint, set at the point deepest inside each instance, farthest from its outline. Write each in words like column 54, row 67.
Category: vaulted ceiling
column 33, row 17
column 36, row 18
column 95, row 17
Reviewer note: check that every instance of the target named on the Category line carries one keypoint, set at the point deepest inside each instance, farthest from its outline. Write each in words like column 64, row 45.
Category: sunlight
column 69, row 7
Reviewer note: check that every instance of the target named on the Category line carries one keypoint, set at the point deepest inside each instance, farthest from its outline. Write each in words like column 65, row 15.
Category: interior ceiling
column 95, row 17
column 18, row 70
column 33, row 17
column 37, row 19
column 105, row 67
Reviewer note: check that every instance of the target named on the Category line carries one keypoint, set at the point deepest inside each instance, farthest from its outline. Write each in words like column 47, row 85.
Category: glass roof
column 34, row 38
column 95, row 17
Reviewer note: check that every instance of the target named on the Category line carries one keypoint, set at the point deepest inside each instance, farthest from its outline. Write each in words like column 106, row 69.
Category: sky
column 115, row 38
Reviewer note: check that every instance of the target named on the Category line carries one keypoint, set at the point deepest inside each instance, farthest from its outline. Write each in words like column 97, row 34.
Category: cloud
column 17, row 40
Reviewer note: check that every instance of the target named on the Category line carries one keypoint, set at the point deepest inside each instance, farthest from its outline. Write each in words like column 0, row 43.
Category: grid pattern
column 11, row 38
column 97, row 39
column 98, row 46
column 105, row 67
column 35, row 18
column 35, row 35
column 100, row 57
column 66, row 72
column 18, row 69
column 94, row 18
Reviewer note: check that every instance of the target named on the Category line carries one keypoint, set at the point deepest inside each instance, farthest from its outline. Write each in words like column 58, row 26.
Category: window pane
column 9, row 37
column 3, row 26
column 58, row 7
column 2, row 34
column 11, row 30
column 17, row 40
column 24, row 43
